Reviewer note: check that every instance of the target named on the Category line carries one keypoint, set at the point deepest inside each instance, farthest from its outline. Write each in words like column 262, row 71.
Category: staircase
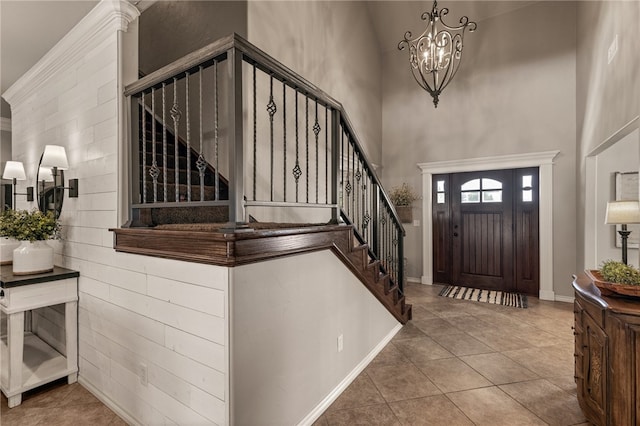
column 286, row 144
column 168, row 215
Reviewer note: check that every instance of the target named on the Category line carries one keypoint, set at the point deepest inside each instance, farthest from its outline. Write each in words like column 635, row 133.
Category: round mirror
column 50, row 193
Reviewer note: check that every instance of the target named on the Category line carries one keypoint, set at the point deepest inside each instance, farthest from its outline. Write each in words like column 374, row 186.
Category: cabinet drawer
column 595, row 312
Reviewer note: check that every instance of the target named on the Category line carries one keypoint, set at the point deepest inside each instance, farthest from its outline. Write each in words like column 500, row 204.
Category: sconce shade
column 14, row 170
column 622, row 212
column 44, row 174
column 54, row 156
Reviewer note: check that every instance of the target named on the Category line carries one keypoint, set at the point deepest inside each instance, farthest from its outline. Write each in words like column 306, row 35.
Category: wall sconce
column 623, row 213
column 14, row 170
column 55, row 158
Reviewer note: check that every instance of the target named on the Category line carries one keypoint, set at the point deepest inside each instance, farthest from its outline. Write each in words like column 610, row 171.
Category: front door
column 486, row 229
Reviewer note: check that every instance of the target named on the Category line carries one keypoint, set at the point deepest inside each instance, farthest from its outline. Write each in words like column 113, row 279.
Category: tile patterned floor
column 468, row 363
column 58, row 404
column 456, row 363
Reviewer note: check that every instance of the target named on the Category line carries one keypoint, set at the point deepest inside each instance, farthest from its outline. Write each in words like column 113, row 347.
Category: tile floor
column 456, row 363
column 468, row 363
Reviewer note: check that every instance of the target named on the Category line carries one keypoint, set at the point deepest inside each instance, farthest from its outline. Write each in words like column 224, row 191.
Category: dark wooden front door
column 486, row 229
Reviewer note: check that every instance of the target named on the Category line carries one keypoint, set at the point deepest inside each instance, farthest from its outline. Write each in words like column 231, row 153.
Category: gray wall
column 333, row 45
column 284, row 331
column 608, row 95
column 171, row 29
column 620, row 157
column 514, row 93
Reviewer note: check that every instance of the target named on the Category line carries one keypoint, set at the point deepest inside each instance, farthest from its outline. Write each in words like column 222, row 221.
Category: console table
column 607, row 355
column 27, row 361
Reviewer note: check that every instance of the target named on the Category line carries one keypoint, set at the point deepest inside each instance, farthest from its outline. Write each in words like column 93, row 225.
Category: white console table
column 27, row 361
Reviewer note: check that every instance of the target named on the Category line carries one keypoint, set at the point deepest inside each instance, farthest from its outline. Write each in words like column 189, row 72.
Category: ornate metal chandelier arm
column 435, row 55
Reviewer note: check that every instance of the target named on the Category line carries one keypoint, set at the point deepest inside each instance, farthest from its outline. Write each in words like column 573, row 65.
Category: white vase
column 32, row 258
column 7, row 245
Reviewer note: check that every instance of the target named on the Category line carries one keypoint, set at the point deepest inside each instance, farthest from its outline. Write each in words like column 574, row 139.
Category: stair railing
column 275, row 139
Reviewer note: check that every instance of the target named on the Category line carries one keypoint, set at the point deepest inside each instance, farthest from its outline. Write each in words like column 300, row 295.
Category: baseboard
column 108, row 402
column 566, row 299
column 335, row 393
column 414, row 280
column 547, row 295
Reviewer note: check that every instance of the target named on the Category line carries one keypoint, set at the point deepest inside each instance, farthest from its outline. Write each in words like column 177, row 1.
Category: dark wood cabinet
column 607, row 355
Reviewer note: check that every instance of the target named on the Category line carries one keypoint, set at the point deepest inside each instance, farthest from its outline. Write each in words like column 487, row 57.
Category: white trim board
column 543, row 160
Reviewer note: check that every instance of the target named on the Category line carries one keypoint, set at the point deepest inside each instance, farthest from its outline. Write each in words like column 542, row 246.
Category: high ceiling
column 29, row 29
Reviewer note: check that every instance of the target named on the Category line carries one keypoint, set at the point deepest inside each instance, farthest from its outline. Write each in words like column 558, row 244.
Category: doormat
column 504, row 298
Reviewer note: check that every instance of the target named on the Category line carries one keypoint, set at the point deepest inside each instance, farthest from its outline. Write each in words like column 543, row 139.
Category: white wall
column 285, row 325
column 168, row 316
column 514, row 94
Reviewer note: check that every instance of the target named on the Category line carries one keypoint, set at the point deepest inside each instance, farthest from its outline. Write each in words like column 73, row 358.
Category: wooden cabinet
column 607, row 355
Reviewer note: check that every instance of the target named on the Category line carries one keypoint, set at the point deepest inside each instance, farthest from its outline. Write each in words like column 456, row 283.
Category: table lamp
column 623, row 213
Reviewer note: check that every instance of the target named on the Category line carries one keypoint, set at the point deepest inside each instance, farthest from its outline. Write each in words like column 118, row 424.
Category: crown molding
column 5, row 124
column 108, row 17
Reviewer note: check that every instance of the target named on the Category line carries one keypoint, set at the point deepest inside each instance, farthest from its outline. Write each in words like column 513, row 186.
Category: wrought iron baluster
column 271, row 109
column 356, row 196
column 186, row 89
column 342, row 199
column 176, row 114
column 348, row 184
column 201, row 163
column 154, row 171
column 353, row 173
column 164, row 144
column 216, row 141
column 316, row 131
column 144, row 148
column 255, row 131
column 284, row 138
column 326, row 154
column 306, row 137
column 296, row 170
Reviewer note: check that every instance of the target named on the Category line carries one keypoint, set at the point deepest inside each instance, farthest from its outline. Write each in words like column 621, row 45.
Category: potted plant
column 32, row 229
column 402, row 196
column 615, row 277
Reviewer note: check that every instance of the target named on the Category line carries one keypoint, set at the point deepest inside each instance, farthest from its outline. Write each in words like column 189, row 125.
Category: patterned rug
column 504, row 298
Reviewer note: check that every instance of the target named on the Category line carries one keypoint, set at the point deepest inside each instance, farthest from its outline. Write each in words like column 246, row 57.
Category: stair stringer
column 378, row 283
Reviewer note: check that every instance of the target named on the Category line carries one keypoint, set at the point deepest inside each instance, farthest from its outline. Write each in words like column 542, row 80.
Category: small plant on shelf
column 25, row 225
column 617, row 272
column 402, row 195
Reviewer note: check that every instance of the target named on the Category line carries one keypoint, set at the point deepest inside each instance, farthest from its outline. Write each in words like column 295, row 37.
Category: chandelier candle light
column 434, row 56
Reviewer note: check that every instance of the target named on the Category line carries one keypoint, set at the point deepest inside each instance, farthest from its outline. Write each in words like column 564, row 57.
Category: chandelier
column 434, row 56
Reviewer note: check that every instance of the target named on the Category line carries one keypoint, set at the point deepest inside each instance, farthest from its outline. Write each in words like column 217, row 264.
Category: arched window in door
column 483, row 190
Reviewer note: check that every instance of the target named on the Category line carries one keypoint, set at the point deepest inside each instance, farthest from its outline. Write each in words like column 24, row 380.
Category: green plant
column 617, row 272
column 402, row 195
column 25, row 225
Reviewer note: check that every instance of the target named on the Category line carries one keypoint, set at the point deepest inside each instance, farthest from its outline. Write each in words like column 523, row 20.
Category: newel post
column 236, row 154
column 336, row 165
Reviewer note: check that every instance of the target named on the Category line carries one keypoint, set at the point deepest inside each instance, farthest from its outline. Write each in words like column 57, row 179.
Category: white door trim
column 543, row 160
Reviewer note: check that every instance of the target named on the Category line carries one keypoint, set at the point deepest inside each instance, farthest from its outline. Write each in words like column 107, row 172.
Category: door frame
column 542, row 160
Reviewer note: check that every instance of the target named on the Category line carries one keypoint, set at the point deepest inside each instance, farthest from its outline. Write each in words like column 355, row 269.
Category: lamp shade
column 44, row 174
column 14, row 170
column 622, row 212
column 54, row 156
